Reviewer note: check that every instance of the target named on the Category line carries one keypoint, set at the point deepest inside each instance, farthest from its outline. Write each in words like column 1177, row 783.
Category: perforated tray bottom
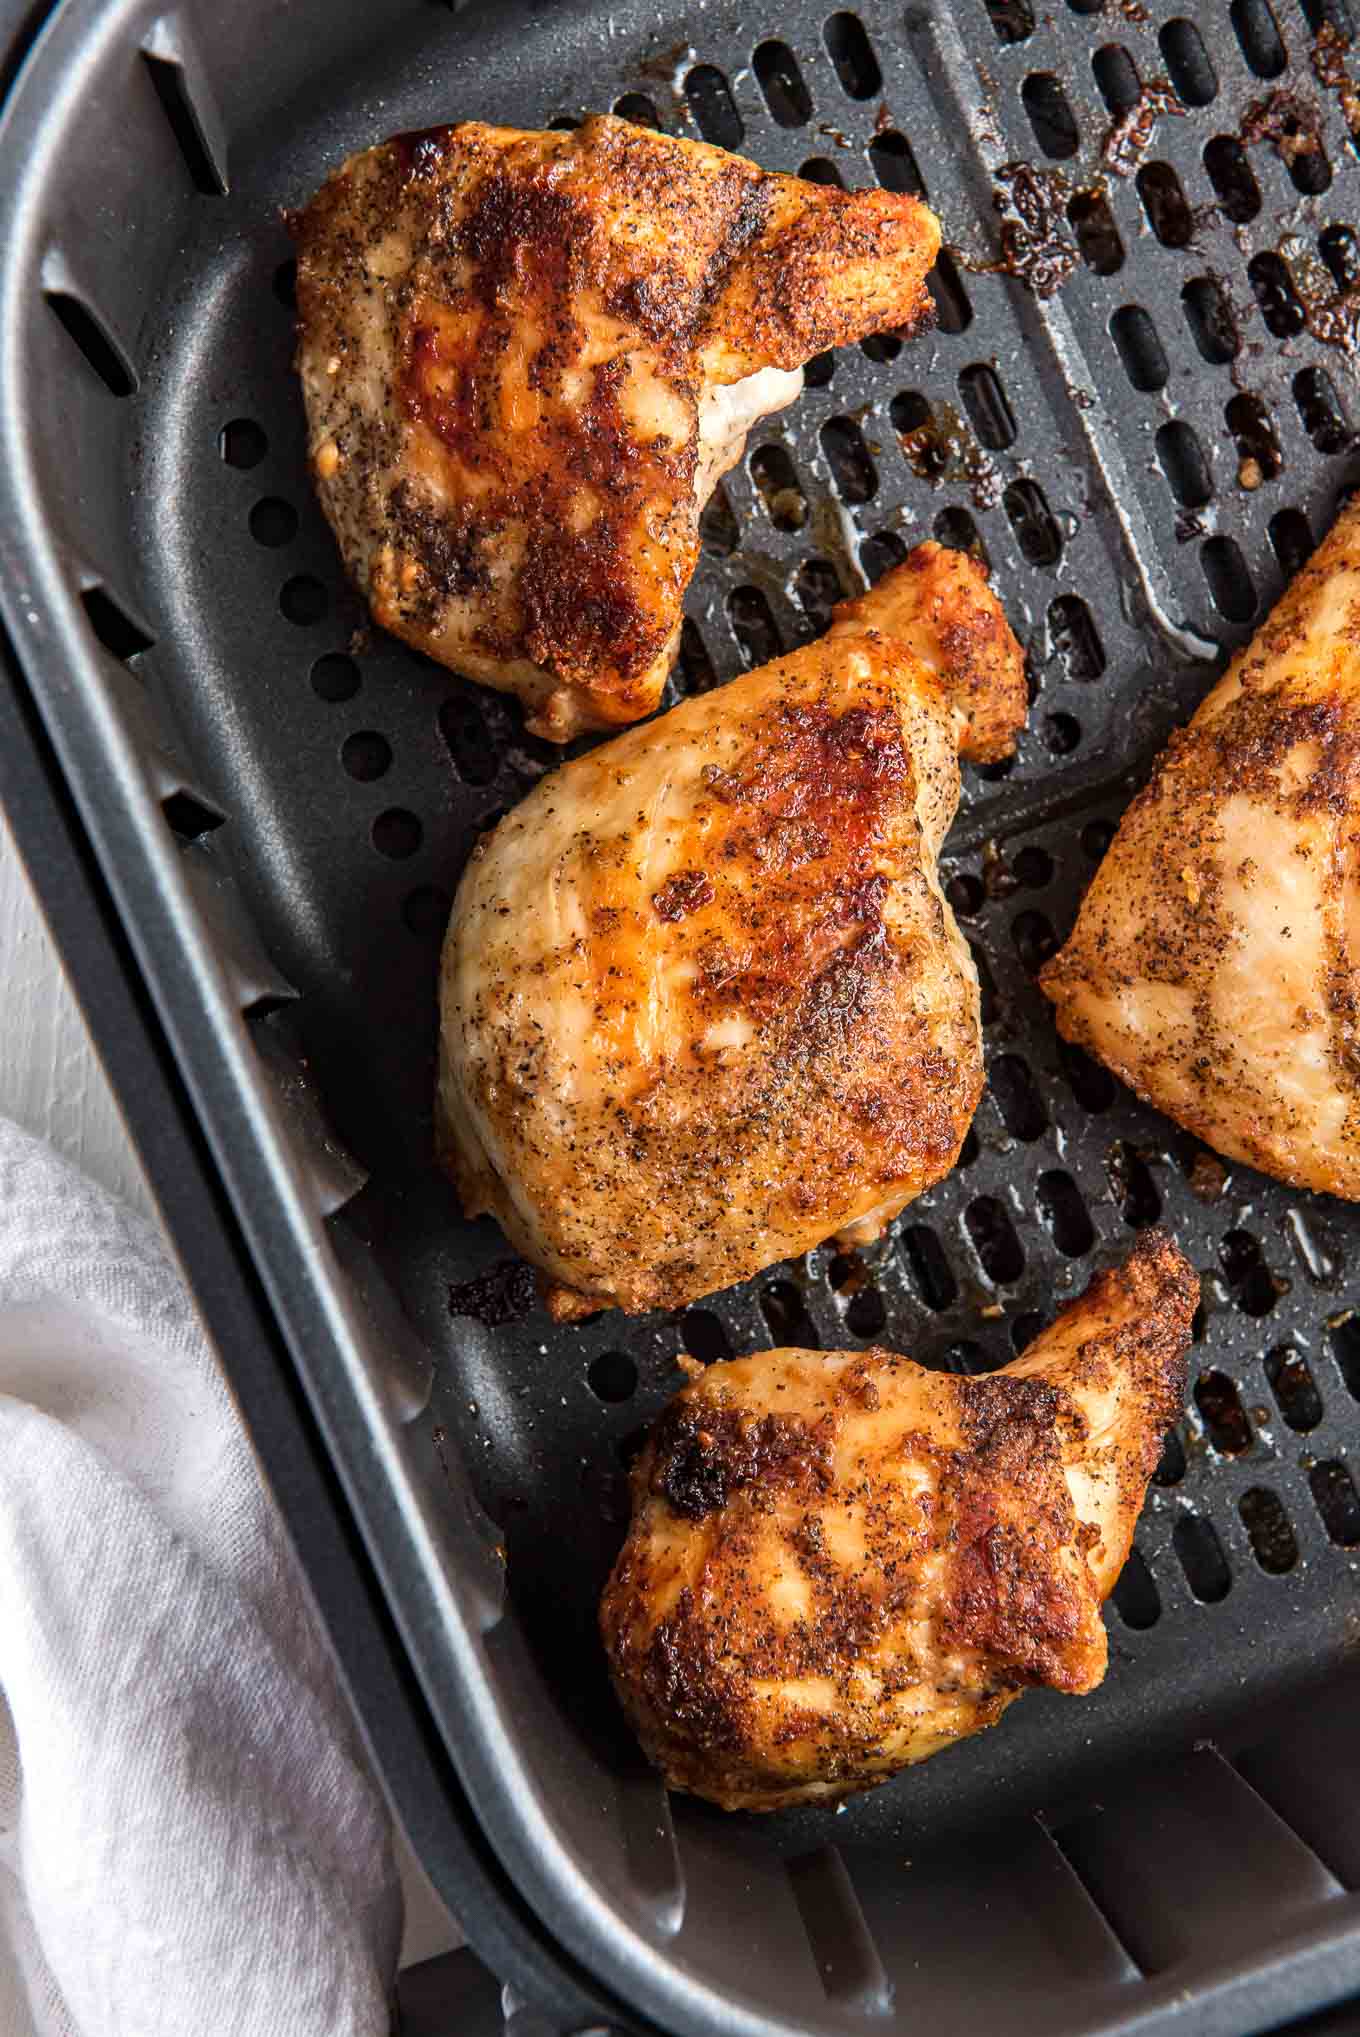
column 1138, row 456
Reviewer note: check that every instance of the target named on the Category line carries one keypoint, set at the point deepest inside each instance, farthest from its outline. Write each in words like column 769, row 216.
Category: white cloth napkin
column 190, row 1841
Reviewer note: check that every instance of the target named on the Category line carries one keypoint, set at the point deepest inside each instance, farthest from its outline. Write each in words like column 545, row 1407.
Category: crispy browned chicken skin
column 702, row 1001
column 1213, row 963
column 840, row 1563
column 527, row 358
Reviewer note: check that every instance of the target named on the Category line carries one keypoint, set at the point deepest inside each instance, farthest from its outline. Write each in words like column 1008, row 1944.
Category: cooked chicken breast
column 702, row 1000
column 526, row 360
column 840, row 1563
column 1213, row 963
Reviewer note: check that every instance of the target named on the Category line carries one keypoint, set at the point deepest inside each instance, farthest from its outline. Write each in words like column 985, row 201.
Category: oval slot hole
column 718, row 530
column 1250, row 1281
column 469, row 741
column 852, row 53
column 1050, row 116
column 1140, row 1203
column 1255, row 28
column 1257, row 446
column 1210, row 319
column 697, row 672
column 1187, row 62
column 1013, row 20
column 852, row 470
column 1291, row 1382
column 753, row 626
column 1166, row 205
column 1339, row 247
column 1233, row 179
column 1224, row 1417
column 1229, row 581
column 1098, row 240
column 1268, row 1530
column 1343, row 1341
column 1030, row 518
column 880, row 553
column 710, row 101
column 776, row 479
column 1074, row 639
column 1181, row 458
column 817, row 587
column 1334, row 1493
column 1116, row 76
column 638, row 108
column 1273, row 288
column 1140, row 350
column 1136, row 1597
column 1291, row 540
column 1034, row 939
column 781, row 82
column 953, row 312
column 894, row 164
column 1017, row 1098
column 1320, row 410
column 1064, row 1213
column 955, row 527
column 1090, row 1082
column 994, row 1240
column 930, row 1270
column 787, row 1318
column 987, row 405
column 1200, row 1555
column 1171, row 1464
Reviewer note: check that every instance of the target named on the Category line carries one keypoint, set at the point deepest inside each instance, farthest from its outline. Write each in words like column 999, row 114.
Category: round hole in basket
column 366, row 755
column 397, row 833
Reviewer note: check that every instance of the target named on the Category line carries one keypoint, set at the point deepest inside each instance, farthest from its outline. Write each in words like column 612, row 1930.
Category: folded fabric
column 190, row 1839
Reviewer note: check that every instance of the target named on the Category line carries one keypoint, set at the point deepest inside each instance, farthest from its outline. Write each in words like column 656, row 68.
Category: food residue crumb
column 1126, row 142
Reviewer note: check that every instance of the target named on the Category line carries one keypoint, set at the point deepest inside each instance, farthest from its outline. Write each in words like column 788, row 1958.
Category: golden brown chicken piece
column 1213, row 963
column 840, row 1563
column 526, row 360
column 702, row 1000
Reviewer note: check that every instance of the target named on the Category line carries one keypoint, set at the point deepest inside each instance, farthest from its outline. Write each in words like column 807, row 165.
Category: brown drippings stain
column 1329, row 53
column 1291, row 124
column 942, row 450
column 998, row 879
column 1331, row 315
column 1037, row 243
column 1126, row 143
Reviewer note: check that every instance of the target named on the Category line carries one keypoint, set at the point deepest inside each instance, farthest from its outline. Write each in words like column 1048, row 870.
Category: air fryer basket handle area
column 455, row 1995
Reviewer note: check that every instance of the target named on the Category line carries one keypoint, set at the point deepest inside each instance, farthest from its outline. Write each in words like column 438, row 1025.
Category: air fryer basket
column 280, row 805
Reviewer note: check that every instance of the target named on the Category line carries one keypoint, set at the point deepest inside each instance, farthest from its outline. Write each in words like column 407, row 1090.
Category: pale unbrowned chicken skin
column 840, row 1563
column 526, row 360
column 702, row 1000
column 1213, row 965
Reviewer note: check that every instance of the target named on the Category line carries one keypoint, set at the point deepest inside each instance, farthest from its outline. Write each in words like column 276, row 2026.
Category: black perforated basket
column 248, row 817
